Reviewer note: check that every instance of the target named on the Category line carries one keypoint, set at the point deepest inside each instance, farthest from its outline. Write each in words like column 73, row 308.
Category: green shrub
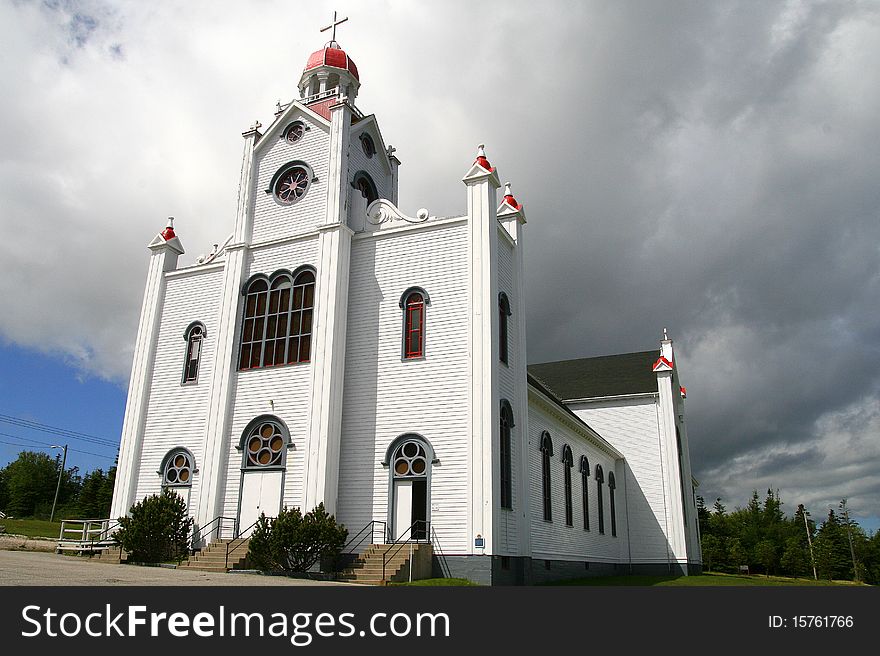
column 294, row 542
column 157, row 529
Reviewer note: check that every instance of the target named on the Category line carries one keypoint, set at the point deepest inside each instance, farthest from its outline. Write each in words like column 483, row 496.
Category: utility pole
column 809, row 539
column 60, row 474
column 852, row 552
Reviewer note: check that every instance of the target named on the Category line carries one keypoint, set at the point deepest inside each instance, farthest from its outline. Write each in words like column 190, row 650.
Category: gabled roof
column 607, row 375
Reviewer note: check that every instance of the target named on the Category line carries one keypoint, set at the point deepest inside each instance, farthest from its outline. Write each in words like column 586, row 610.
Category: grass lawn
column 437, row 582
column 713, row 579
column 32, row 527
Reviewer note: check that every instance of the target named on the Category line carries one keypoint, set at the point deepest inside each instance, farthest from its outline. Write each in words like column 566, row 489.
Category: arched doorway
column 264, row 458
column 409, row 461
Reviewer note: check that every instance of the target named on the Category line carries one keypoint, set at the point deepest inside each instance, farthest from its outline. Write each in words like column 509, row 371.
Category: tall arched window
column 503, row 314
column 684, row 513
column 505, row 455
column 546, row 452
column 600, row 478
column 177, row 468
column 277, row 322
column 611, row 487
column 585, row 490
column 567, row 462
column 194, row 334
column 413, row 302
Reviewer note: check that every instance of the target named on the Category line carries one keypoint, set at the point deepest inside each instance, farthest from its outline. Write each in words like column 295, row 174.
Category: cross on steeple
column 333, row 26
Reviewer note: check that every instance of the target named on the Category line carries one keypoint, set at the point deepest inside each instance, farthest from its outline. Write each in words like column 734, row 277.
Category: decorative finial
column 507, row 191
column 168, row 233
column 257, row 125
column 481, row 158
column 665, row 335
column 333, row 27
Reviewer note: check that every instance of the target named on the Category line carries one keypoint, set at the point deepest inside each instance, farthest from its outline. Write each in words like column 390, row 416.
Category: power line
column 46, row 444
column 54, row 430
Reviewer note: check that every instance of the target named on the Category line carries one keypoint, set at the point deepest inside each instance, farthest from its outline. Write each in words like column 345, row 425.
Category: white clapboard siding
column 506, row 540
column 631, row 426
column 176, row 415
column 385, row 397
column 287, row 255
column 554, row 540
column 273, row 220
column 284, row 392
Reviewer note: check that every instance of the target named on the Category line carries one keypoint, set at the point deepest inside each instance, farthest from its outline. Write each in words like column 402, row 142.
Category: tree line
column 762, row 537
column 27, row 489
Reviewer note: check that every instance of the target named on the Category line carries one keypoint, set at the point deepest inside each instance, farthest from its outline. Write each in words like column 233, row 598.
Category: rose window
column 292, row 185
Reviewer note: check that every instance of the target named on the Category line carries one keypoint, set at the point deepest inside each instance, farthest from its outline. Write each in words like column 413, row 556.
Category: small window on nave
column 585, row 490
column 546, row 453
column 567, row 463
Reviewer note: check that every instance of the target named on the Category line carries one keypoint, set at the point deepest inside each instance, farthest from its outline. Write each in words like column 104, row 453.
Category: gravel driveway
column 38, row 568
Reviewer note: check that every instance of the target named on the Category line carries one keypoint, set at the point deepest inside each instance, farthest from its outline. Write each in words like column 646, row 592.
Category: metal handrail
column 204, row 532
column 400, row 543
column 362, row 534
column 435, row 542
column 240, row 540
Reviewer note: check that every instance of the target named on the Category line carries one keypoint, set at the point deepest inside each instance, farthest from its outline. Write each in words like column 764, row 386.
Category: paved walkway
column 37, row 568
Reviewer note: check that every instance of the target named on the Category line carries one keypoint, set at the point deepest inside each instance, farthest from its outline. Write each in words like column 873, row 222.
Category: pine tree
column 832, row 549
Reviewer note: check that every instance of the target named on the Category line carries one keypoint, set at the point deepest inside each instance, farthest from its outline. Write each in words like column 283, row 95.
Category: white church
column 335, row 349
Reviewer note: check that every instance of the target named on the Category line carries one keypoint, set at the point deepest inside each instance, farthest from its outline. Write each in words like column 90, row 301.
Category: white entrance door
column 403, row 500
column 260, row 493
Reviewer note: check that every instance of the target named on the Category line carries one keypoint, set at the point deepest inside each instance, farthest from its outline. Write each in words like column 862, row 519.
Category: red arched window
column 414, row 327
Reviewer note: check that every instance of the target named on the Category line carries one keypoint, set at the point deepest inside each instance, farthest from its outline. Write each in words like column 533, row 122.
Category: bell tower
column 329, row 69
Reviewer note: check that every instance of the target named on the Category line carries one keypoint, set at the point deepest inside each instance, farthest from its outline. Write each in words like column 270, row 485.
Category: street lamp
column 60, row 474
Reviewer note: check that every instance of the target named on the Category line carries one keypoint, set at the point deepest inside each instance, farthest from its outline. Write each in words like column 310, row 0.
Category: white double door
column 260, row 493
column 410, row 509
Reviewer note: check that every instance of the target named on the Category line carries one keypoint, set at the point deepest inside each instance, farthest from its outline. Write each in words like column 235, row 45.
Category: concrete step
column 205, row 568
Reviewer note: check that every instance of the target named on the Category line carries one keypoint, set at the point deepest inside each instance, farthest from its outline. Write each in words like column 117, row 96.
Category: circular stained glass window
column 178, row 469
column 294, row 132
column 368, row 146
column 265, row 446
column 410, row 460
column 291, row 185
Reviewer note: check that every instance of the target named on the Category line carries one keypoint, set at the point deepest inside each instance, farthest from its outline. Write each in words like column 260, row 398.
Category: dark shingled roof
column 607, row 375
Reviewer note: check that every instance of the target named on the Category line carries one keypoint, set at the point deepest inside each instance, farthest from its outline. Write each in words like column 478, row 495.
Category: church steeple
column 329, row 71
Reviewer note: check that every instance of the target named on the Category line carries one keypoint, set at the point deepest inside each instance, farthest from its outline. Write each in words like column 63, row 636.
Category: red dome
column 334, row 57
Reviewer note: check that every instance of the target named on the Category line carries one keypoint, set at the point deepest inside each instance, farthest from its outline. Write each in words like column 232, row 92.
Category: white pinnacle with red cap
column 168, row 233
column 508, row 197
column 481, row 158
